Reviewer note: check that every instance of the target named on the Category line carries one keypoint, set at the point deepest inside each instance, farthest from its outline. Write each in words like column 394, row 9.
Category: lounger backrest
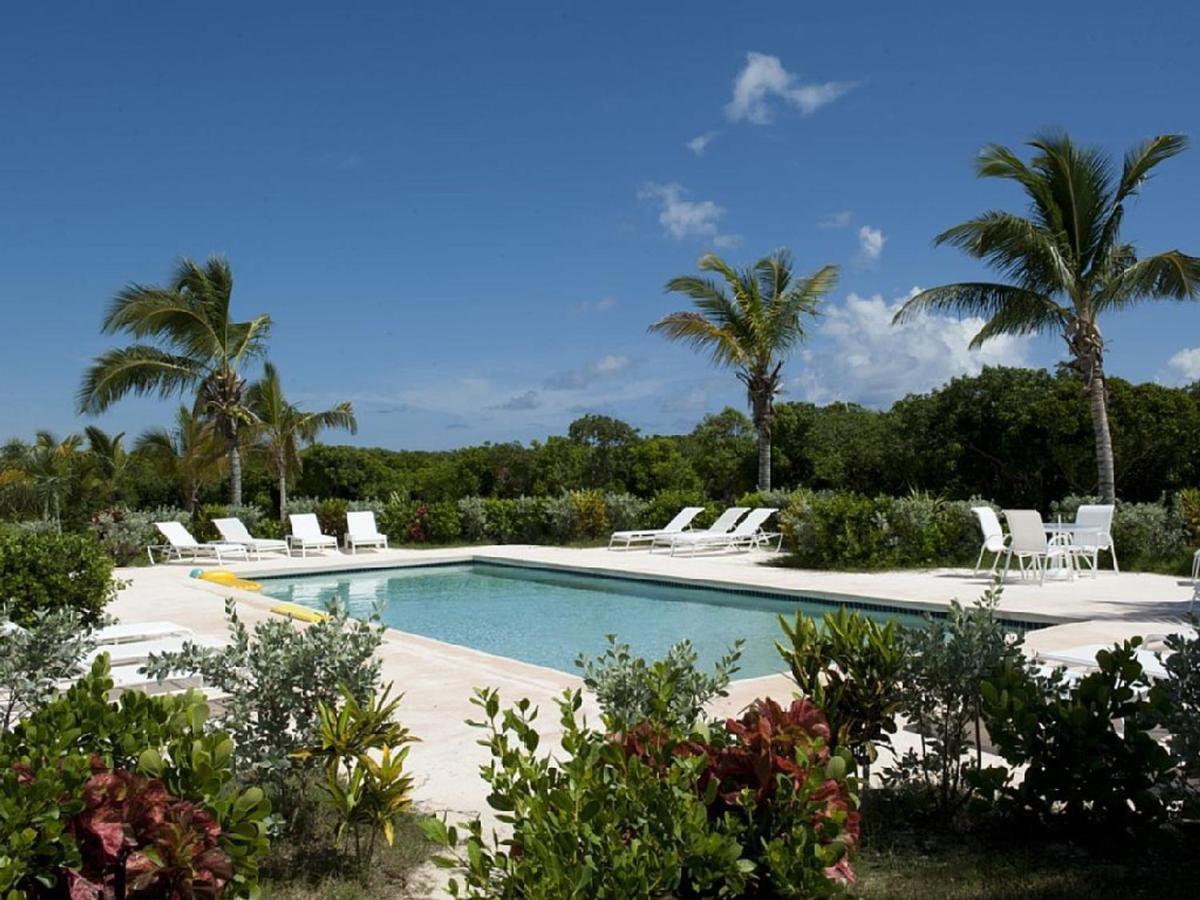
column 305, row 525
column 989, row 524
column 361, row 524
column 1027, row 530
column 232, row 530
column 683, row 518
column 754, row 521
column 727, row 519
column 1097, row 520
column 176, row 534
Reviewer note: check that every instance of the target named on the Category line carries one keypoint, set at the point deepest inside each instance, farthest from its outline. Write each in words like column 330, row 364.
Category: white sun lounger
column 138, row 652
column 180, row 543
column 680, row 523
column 723, row 525
column 124, row 633
column 361, row 531
column 306, row 534
column 1085, row 655
column 234, row 532
column 747, row 535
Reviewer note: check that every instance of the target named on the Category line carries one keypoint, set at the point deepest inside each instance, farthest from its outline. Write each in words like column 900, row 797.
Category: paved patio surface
column 437, row 678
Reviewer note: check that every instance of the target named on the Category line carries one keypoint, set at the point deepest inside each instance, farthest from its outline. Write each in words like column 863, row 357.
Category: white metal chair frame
column 375, row 538
column 1028, row 541
column 994, row 539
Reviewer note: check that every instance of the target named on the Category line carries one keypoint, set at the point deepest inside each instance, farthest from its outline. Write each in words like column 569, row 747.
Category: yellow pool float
column 299, row 613
column 228, row 579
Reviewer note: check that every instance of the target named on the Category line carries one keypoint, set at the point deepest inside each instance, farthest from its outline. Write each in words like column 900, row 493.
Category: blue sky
column 461, row 216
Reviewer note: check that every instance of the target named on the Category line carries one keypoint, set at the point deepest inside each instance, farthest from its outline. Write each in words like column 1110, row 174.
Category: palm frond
column 1016, row 247
column 1172, row 275
column 1144, row 157
column 138, row 369
column 982, row 299
column 694, row 329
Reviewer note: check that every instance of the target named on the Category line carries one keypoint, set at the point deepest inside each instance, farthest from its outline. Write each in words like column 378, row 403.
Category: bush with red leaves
column 137, row 841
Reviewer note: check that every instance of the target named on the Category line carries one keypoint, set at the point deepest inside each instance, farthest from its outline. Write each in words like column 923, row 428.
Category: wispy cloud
column 764, row 79
column 602, row 305
column 682, row 218
column 870, row 243
column 841, row 219
column 700, row 142
column 525, row 401
column 576, row 379
column 864, row 358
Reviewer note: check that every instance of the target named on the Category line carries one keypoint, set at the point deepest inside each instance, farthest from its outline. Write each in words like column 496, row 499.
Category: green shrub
column 54, row 571
column 838, row 530
column 531, row 520
column 849, row 665
column 763, row 811
column 624, row 511
column 252, row 517
column 1181, row 688
column 500, row 520
column 1091, row 765
column 398, row 518
column 443, row 524
column 277, row 676
column 591, row 514
column 331, row 513
column 474, row 518
column 669, row 693
column 666, row 505
column 37, row 658
column 49, row 758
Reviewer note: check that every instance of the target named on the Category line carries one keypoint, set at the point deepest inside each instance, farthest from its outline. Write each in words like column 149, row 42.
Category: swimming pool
column 548, row 617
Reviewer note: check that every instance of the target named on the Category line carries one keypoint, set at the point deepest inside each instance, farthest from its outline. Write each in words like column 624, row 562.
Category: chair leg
column 1112, row 551
column 979, row 561
column 1007, row 563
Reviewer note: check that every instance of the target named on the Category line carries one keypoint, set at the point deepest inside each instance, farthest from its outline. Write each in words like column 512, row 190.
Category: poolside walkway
column 438, row 678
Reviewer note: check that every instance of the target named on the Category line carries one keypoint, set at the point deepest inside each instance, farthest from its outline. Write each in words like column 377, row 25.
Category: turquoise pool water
column 549, row 617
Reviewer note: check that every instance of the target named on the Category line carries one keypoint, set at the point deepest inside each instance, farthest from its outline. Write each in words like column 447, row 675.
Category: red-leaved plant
column 138, row 841
column 773, row 770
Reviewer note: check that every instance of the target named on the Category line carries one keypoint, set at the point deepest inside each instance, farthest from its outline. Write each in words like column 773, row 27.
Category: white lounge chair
column 680, row 523
column 234, row 532
column 723, row 525
column 1090, row 534
column 306, row 534
column 124, row 633
column 994, row 539
column 747, row 535
column 1028, row 543
column 180, row 543
column 137, row 652
column 1085, row 656
column 361, row 531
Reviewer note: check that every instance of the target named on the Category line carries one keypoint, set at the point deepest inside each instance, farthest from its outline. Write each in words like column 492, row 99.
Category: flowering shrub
column 591, row 513
column 766, row 810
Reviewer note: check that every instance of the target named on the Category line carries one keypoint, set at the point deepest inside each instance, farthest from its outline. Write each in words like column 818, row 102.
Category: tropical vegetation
column 1067, row 262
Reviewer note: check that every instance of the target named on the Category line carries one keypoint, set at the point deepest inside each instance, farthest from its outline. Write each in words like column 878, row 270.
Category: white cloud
column 700, row 142
column 840, row 219
column 765, row 78
column 870, row 242
column 606, row 366
column 1182, row 368
column 604, row 304
column 681, row 217
column 861, row 357
column 520, row 402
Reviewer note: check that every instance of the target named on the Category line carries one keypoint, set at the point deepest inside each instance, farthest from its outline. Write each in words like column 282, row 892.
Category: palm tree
column 1065, row 263
column 193, row 345
column 749, row 324
column 42, row 473
column 107, row 451
column 192, row 453
column 282, row 429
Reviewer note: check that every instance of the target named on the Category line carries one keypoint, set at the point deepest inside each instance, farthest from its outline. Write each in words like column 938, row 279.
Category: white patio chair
column 747, row 535
column 306, row 534
column 724, row 524
column 361, row 531
column 1092, row 533
column 124, row 633
column 1085, row 656
column 233, row 531
column 994, row 539
column 682, row 520
column 1028, row 543
column 180, row 543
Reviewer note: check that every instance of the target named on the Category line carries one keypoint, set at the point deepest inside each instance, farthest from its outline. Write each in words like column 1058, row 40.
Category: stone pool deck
column 437, row 678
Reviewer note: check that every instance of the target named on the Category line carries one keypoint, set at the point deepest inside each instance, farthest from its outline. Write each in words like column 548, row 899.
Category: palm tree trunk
column 282, row 496
column 1104, row 450
column 764, row 458
column 235, row 466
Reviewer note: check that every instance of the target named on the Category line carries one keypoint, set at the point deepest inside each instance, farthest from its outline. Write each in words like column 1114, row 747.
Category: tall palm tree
column 282, row 429
column 749, row 323
column 191, row 344
column 192, row 453
column 1065, row 263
